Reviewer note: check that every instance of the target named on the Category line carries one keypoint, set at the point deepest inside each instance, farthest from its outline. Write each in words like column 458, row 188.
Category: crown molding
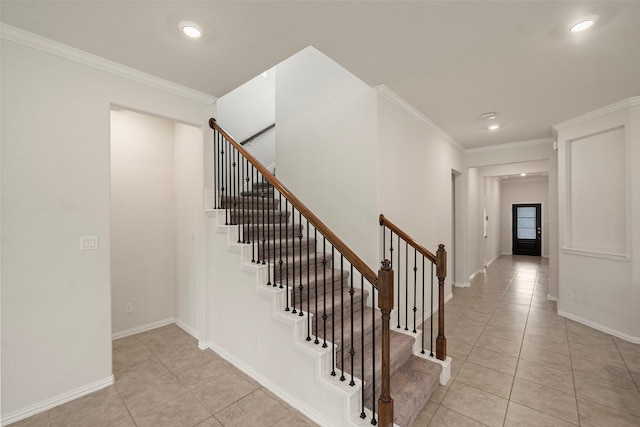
column 511, row 145
column 402, row 104
column 35, row 41
column 620, row 105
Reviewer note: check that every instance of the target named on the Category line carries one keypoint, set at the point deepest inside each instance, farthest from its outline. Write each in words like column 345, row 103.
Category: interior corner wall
column 598, row 278
column 249, row 109
column 56, row 299
column 327, row 149
column 143, row 223
column 517, row 192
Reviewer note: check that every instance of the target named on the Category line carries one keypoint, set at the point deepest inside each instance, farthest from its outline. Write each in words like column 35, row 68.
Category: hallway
column 517, row 363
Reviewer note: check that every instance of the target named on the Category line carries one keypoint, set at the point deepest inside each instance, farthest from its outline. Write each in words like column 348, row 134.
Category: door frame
column 514, row 227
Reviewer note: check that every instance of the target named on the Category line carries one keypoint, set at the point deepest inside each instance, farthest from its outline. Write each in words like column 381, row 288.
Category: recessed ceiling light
column 523, row 174
column 190, row 29
column 494, row 126
column 584, row 23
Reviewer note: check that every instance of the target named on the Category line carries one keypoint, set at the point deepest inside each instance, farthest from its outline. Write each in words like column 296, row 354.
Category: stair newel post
column 385, row 304
column 441, row 273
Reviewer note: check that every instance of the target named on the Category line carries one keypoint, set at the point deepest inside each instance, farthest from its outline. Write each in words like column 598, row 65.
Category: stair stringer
column 314, row 392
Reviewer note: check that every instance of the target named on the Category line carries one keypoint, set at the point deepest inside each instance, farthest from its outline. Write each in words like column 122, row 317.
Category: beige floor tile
column 558, row 334
column 184, row 410
column 40, row 420
column 476, row 404
column 609, row 357
column 546, row 321
column 573, row 326
column 210, row 422
column 521, row 416
column 491, row 359
column 464, row 334
column 504, row 333
column 509, row 348
column 556, row 379
column 551, row 402
column 614, row 397
column 193, row 376
column 447, row 418
column 224, row 391
column 103, row 408
column 440, row 392
column 547, row 342
column 425, row 415
column 143, row 397
column 293, row 420
column 632, row 362
column 485, row 379
column 458, row 349
column 126, row 342
column 257, row 409
column 589, row 340
column 595, row 415
column 605, row 373
column 627, row 348
column 141, row 371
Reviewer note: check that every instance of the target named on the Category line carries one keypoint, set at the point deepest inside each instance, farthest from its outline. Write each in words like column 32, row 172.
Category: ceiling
column 452, row 60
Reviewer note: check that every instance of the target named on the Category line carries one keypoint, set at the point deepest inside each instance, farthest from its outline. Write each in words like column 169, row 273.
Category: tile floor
column 515, row 363
column 163, row 379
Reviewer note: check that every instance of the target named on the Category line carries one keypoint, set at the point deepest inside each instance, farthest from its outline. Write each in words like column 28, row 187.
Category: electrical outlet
column 128, row 307
column 89, row 243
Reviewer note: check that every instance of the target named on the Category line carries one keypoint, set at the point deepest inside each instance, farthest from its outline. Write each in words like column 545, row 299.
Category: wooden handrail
column 410, row 240
column 355, row 261
column 257, row 134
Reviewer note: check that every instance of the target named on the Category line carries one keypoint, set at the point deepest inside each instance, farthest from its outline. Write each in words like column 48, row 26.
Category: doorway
column 527, row 229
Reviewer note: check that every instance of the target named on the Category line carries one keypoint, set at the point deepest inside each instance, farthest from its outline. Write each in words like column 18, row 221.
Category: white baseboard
column 492, row 261
column 462, row 285
column 475, row 274
column 143, row 328
column 599, row 327
column 58, row 400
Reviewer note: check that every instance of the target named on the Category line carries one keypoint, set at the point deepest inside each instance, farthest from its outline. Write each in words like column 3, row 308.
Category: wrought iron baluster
column 342, row 378
column 264, row 208
column 324, row 292
column 333, row 314
column 300, row 287
column 406, row 286
column 362, row 399
column 352, row 350
column 225, row 179
column 308, row 286
column 373, row 362
column 399, row 253
column 415, row 284
column 315, row 262
column 286, row 252
column 423, row 302
column 292, row 255
column 431, row 310
column 280, row 237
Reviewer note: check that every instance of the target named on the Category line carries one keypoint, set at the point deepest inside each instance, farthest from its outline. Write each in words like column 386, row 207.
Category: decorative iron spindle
column 264, row 222
column 333, row 314
column 293, row 259
column 423, row 302
column 315, row 251
column 324, row 292
column 415, row 284
column 362, row 413
column 399, row 253
column 300, row 260
column 352, row 350
column 342, row 316
column 406, row 286
column 431, row 310
column 308, row 286
column 373, row 362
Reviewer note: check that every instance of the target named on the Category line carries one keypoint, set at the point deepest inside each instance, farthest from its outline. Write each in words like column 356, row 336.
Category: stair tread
column 411, row 388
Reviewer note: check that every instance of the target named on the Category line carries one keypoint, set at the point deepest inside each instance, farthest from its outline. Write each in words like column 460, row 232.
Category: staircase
column 360, row 372
column 318, row 284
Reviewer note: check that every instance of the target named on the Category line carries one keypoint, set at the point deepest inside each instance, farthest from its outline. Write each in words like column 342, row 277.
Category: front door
column 527, row 231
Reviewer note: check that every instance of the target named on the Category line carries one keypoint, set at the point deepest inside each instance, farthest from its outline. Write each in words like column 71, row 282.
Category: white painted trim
column 475, row 274
column 413, row 112
column 58, row 400
column 511, row 145
column 551, row 298
column 143, row 328
column 596, row 254
column 599, row 327
column 462, row 285
column 35, row 41
column 493, row 260
column 621, row 105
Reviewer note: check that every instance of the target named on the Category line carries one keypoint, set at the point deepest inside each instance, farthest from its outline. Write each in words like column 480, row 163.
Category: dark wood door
column 527, row 229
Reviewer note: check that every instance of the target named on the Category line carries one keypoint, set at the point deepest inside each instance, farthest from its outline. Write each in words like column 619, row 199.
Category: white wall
column 327, row 146
column 247, row 110
column 143, row 223
column 189, row 261
column 56, row 300
column 414, row 182
column 598, row 219
column 494, row 218
column 517, row 192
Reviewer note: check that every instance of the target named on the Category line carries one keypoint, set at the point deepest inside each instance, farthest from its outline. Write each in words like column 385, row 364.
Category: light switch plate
column 89, row 243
